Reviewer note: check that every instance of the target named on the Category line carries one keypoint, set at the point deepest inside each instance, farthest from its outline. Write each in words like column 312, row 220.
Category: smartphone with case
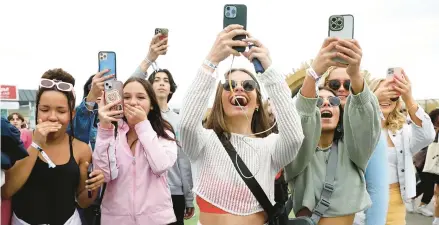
column 164, row 32
column 391, row 72
column 89, row 170
column 341, row 26
column 107, row 60
column 236, row 14
column 113, row 92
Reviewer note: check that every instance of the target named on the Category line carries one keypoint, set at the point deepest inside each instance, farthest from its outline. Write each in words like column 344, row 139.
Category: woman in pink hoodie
column 135, row 158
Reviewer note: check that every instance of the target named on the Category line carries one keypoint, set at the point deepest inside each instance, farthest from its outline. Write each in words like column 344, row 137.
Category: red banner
column 8, row 93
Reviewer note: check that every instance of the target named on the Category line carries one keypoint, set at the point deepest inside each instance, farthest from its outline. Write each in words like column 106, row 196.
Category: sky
column 41, row 35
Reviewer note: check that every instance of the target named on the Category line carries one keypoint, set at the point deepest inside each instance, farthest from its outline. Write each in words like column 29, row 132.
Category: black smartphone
column 89, row 170
column 236, row 14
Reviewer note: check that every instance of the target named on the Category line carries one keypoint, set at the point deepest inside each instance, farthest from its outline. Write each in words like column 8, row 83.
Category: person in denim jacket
column 85, row 124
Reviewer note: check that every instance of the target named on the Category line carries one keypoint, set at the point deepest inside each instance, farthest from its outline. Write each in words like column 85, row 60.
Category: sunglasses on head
column 247, row 85
column 336, row 84
column 60, row 85
column 333, row 101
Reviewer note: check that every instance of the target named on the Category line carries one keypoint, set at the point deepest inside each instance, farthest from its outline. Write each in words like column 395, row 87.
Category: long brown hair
column 215, row 120
column 159, row 125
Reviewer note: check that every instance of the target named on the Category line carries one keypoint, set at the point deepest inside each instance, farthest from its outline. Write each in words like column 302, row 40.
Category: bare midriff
column 212, row 215
column 340, row 220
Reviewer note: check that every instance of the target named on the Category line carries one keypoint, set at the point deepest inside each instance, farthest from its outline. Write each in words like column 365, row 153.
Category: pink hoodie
column 137, row 191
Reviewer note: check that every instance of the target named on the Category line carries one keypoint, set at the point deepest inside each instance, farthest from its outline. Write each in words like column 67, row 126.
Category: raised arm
column 423, row 135
column 290, row 135
column 161, row 153
column 421, row 129
column 83, row 121
column 193, row 135
column 311, row 127
column 104, row 154
column 17, row 176
column 157, row 47
column 362, row 126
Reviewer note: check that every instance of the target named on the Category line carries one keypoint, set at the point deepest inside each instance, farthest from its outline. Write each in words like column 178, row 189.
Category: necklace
column 165, row 111
column 326, row 152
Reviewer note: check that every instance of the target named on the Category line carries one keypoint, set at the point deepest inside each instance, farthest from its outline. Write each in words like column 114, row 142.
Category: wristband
column 91, row 104
column 210, row 64
column 310, row 71
column 45, row 156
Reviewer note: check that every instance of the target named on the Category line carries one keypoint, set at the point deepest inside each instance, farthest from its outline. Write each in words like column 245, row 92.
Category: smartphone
column 113, row 91
column 163, row 31
column 236, row 14
column 394, row 71
column 89, row 170
column 107, row 60
column 341, row 26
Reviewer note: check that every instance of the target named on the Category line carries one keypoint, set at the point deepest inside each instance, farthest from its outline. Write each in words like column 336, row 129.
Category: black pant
column 426, row 185
column 179, row 203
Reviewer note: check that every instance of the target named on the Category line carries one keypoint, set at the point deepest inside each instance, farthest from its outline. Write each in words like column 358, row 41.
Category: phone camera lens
column 227, row 14
column 339, row 22
column 333, row 19
column 228, row 8
column 333, row 26
column 233, row 11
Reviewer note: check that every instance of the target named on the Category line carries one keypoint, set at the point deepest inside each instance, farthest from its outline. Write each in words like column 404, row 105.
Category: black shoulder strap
column 251, row 183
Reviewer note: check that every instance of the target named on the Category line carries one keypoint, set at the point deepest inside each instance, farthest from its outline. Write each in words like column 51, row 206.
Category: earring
column 257, row 109
column 339, row 128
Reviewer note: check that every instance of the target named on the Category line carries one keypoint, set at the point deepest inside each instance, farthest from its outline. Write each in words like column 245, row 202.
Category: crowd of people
column 340, row 141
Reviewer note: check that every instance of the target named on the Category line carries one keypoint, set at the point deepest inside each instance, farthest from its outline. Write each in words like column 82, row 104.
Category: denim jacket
column 84, row 124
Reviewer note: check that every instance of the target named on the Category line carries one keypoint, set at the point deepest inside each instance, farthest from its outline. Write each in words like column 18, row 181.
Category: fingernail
column 86, row 186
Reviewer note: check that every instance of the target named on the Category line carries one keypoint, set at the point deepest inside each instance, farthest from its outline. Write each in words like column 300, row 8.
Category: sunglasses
column 248, row 85
column 333, row 101
column 336, row 84
column 60, row 85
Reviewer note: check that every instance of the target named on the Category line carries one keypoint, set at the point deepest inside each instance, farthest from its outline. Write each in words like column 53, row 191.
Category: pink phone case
column 114, row 93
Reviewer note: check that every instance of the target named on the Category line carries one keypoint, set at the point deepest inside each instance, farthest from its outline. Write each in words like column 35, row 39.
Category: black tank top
column 48, row 196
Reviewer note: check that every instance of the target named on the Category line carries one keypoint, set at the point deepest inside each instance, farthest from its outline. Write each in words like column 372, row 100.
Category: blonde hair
column 396, row 120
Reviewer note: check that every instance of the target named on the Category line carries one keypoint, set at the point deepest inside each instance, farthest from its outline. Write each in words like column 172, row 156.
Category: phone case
column 163, row 31
column 341, row 26
column 236, row 14
column 107, row 60
column 114, row 92
column 394, row 70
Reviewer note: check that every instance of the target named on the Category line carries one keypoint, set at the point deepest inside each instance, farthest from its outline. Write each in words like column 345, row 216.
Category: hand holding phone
column 106, row 115
column 223, row 46
column 342, row 27
column 236, row 14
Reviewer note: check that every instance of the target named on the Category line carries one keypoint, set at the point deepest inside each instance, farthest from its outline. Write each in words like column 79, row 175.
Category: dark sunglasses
column 336, row 84
column 248, row 85
column 333, row 101
column 60, row 85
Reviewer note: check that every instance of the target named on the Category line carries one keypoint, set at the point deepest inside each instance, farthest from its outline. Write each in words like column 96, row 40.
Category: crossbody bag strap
column 328, row 187
column 251, row 183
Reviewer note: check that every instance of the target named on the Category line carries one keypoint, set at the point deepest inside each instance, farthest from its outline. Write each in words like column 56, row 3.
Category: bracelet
column 312, row 73
column 210, row 64
column 45, row 156
column 148, row 61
